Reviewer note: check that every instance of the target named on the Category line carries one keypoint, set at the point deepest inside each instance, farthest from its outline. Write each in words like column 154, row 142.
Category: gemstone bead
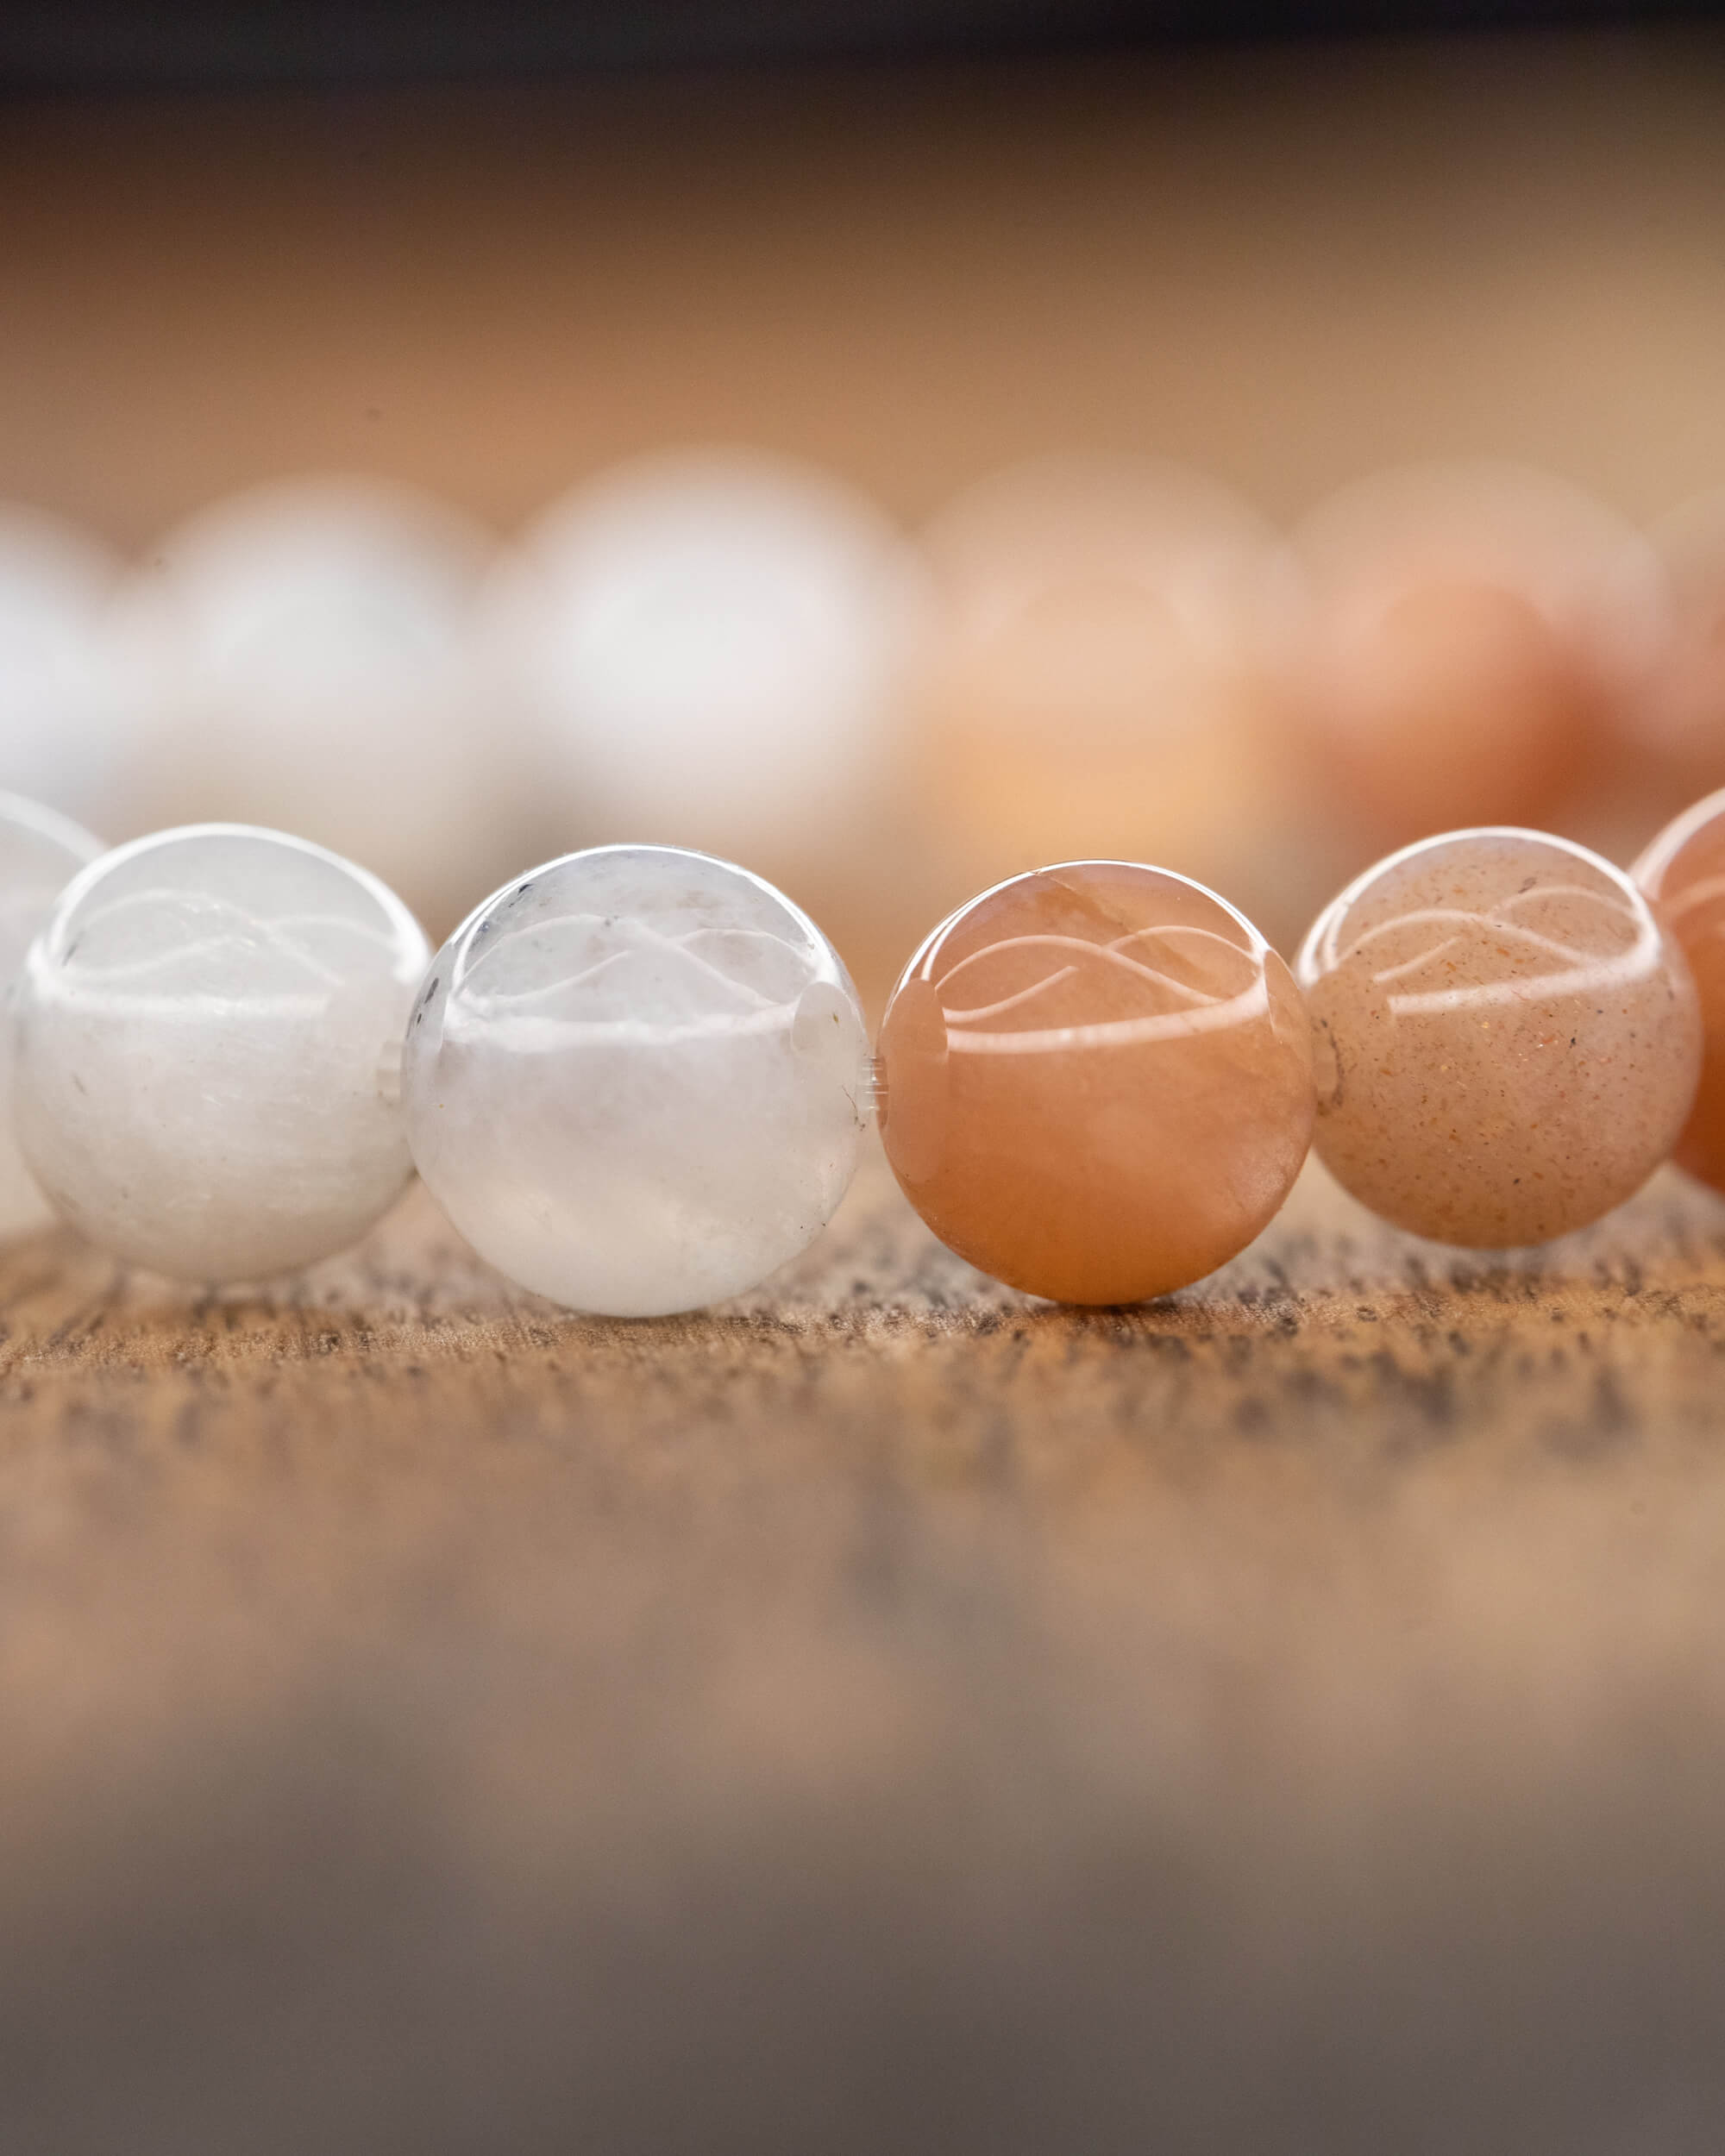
column 1472, row 628
column 40, row 854
column 1100, row 677
column 637, row 1079
column 714, row 644
column 208, row 1051
column 68, row 702
column 1456, row 696
column 1098, row 1081
column 312, row 654
column 1507, row 1041
column 1683, row 871
column 1676, row 726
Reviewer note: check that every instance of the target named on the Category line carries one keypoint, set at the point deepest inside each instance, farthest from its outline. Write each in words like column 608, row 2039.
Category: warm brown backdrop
column 1287, row 265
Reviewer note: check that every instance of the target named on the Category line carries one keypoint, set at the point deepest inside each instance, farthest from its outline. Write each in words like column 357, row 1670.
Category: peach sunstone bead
column 1097, row 1082
column 1458, row 696
column 1472, row 629
column 1506, row 1040
column 1683, row 871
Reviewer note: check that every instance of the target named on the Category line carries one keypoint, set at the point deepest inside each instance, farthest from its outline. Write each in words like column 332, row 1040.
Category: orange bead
column 1102, row 677
column 1472, row 629
column 1507, row 1041
column 1677, row 724
column 1683, row 871
column 1458, row 701
column 1098, row 1081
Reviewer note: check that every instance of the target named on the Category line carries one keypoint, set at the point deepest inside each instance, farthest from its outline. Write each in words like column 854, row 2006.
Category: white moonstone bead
column 208, row 1051
column 40, row 854
column 715, row 645
column 636, row 1079
column 312, row 657
column 68, row 706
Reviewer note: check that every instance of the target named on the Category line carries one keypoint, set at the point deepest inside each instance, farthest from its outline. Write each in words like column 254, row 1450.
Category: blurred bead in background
column 40, row 854
column 1078, row 658
column 712, row 644
column 1477, row 634
column 712, row 647
column 1680, row 726
column 67, row 701
column 309, row 657
column 1105, row 679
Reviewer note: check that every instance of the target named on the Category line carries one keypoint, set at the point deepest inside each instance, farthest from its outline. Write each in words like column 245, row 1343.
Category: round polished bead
column 209, row 1051
column 1098, row 1081
column 715, row 645
column 1471, row 628
column 40, row 854
column 1507, row 1041
column 1100, row 673
column 312, row 653
column 1455, row 695
column 1683, row 871
column 636, row 1079
column 69, row 705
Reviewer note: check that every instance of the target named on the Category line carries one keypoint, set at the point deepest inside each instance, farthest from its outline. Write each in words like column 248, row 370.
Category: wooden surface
column 881, row 1713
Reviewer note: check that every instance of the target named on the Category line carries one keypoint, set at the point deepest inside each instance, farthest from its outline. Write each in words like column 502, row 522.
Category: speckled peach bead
column 1507, row 1041
column 1683, row 871
column 1097, row 1082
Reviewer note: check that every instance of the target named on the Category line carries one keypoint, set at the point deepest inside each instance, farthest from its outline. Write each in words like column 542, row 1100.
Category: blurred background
column 887, row 446
column 891, row 445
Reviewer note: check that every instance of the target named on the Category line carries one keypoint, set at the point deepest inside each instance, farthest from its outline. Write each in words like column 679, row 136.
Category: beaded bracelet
column 638, row 1079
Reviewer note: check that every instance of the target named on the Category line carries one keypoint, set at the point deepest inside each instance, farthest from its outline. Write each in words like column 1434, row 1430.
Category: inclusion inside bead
column 1098, row 1082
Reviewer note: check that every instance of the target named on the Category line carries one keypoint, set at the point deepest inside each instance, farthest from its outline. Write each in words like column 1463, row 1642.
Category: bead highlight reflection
column 1098, row 1082
column 638, row 1081
column 208, row 1052
column 1507, row 1042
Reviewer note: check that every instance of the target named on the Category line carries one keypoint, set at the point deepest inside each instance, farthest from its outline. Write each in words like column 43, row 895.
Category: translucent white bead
column 716, row 645
column 313, row 659
column 40, row 854
column 636, row 1079
column 68, row 709
column 208, row 1051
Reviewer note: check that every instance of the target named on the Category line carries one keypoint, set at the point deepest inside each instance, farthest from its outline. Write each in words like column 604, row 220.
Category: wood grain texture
column 882, row 1713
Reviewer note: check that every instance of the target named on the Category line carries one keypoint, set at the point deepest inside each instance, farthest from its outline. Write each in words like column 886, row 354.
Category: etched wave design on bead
column 1705, row 895
column 1565, row 968
column 650, row 986
column 1114, row 968
column 205, row 935
column 23, row 911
